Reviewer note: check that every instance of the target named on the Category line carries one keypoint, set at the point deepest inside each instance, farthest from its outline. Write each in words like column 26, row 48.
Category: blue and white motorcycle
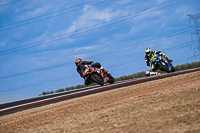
column 162, row 65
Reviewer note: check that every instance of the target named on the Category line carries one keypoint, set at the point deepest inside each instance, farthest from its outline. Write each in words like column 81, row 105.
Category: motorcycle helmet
column 78, row 61
column 148, row 51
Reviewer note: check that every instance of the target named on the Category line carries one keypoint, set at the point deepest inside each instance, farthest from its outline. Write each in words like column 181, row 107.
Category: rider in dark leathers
column 83, row 65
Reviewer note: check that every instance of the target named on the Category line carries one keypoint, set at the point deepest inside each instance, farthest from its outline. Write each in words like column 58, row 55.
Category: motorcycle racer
column 151, row 55
column 83, row 68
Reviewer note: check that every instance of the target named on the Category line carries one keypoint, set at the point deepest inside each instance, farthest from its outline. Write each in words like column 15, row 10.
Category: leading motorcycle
column 98, row 76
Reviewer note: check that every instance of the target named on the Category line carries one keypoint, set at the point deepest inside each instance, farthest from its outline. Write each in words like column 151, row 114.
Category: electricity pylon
column 195, row 18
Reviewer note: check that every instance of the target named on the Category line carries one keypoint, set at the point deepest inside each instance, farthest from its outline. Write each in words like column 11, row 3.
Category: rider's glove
column 159, row 53
column 170, row 60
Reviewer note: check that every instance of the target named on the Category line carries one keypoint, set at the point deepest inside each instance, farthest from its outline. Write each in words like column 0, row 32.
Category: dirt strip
column 165, row 105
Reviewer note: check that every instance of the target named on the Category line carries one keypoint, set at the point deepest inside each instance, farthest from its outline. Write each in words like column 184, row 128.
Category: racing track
column 12, row 107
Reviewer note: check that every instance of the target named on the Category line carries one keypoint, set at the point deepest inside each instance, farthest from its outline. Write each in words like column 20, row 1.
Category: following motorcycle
column 162, row 65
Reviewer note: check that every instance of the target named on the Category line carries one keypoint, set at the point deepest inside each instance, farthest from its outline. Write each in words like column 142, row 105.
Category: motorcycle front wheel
column 164, row 68
column 97, row 78
column 111, row 80
column 172, row 69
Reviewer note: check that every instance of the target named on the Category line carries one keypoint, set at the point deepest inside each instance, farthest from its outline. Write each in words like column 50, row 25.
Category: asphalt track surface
column 16, row 106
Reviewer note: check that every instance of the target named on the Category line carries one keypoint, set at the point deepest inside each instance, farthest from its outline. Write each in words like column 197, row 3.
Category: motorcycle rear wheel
column 97, row 78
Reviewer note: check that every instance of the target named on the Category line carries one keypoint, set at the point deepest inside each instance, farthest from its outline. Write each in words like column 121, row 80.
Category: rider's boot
column 153, row 68
column 170, row 60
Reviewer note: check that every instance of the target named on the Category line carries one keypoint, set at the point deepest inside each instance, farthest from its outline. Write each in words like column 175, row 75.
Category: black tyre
column 111, row 80
column 164, row 68
column 172, row 69
column 97, row 78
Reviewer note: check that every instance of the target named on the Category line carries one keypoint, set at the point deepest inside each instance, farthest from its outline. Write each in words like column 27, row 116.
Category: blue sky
column 40, row 39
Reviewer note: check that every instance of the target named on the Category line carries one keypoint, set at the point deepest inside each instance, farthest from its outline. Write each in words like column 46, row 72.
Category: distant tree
column 44, row 93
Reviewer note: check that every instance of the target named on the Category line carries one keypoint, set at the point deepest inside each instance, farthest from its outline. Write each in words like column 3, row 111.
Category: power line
column 146, row 41
column 102, row 54
column 10, row 50
column 16, row 49
column 27, row 21
column 60, row 14
column 179, row 46
column 55, row 67
column 41, row 83
column 186, row 59
column 10, row 2
column 141, row 58
column 37, row 70
column 44, row 15
column 110, row 67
